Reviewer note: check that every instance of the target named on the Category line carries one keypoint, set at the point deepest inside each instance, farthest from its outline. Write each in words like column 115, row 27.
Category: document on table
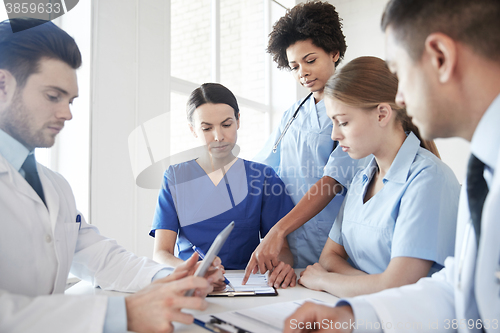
column 255, row 286
column 267, row 318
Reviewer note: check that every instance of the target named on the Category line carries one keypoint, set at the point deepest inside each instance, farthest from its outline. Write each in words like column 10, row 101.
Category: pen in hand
column 202, row 256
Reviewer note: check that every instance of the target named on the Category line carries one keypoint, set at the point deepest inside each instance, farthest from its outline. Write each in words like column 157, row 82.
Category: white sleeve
column 425, row 306
column 365, row 317
column 116, row 316
column 52, row 313
column 106, row 264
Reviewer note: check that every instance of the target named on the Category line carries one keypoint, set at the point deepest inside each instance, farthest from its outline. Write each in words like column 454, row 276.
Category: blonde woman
column 398, row 221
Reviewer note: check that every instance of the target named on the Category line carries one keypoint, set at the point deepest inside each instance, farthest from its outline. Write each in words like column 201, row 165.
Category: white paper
column 267, row 318
column 256, row 283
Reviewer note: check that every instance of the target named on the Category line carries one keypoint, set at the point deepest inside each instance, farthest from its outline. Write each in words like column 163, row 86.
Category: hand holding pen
column 202, row 256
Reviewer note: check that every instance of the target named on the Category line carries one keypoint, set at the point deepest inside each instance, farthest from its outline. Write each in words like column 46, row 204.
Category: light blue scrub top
column 413, row 215
column 306, row 154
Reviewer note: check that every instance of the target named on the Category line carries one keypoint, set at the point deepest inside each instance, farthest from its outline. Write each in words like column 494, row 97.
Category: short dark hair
column 314, row 20
column 20, row 52
column 475, row 23
column 214, row 93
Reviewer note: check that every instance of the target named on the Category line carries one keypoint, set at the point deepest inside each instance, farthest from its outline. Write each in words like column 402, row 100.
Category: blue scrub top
column 250, row 194
column 306, row 154
column 413, row 215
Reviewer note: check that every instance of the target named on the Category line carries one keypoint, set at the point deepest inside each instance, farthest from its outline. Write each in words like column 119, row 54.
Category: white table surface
column 221, row 304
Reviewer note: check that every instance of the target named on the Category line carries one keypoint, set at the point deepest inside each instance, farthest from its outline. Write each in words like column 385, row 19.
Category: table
column 221, row 304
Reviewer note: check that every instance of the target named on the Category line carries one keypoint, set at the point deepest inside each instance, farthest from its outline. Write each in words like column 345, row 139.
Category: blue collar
column 400, row 167
column 12, row 150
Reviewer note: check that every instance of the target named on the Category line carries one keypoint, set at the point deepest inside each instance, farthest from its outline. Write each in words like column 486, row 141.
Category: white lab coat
column 38, row 247
column 451, row 299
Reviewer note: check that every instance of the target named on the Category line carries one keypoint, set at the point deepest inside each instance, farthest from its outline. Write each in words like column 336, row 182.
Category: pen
column 79, row 220
column 209, row 326
column 219, row 321
column 202, row 256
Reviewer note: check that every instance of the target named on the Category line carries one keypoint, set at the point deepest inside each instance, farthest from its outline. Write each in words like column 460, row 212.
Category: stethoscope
column 290, row 123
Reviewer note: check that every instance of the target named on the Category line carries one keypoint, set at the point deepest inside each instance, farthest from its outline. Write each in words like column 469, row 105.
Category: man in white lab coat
column 42, row 235
column 446, row 54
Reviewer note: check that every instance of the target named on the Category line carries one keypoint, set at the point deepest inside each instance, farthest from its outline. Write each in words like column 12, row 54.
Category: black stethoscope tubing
column 290, row 122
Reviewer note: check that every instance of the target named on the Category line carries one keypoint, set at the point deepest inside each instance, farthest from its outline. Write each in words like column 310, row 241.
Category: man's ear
column 193, row 131
column 7, row 85
column 238, row 122
column 384, row 114
column 442, row 51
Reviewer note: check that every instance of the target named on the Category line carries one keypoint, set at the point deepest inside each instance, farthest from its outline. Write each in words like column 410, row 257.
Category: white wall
column 72, row 145
column 129, row 87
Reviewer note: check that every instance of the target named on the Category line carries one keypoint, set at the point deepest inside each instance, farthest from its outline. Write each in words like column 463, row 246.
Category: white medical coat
column 39, row 246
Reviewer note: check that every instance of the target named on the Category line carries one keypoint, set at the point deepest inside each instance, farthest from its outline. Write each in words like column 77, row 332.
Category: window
column 220, row 41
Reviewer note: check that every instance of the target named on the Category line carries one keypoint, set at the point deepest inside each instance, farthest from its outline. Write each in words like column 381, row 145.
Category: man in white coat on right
column 446, row 54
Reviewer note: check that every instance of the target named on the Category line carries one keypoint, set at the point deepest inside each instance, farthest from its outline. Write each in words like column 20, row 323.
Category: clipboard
column 256, row 286
column 228, row 293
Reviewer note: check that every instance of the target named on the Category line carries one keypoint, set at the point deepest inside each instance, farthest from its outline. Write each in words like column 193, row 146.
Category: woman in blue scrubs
column 201, row 197
column 398, row 220
column 309, row 42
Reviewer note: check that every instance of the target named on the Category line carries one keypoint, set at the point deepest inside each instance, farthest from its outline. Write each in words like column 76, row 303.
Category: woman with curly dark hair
column 309, row 42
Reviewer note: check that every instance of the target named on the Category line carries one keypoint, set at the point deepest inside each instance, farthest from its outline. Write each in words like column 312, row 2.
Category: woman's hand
column 219, row 285
column 215, row 274
column 283, row 276
column 312, row 277
column 265, row 256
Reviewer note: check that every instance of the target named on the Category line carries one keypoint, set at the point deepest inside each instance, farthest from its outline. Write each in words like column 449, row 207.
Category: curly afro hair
column 315, row 20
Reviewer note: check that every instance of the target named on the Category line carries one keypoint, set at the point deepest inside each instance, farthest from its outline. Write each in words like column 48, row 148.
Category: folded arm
column 334, row 259
column 341, row 279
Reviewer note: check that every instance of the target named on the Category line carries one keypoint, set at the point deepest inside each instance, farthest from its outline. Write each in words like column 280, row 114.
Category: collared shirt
column 485, row 145
column 413, row 215
column 12, row 150
column 306, row 154
column 470, row 284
